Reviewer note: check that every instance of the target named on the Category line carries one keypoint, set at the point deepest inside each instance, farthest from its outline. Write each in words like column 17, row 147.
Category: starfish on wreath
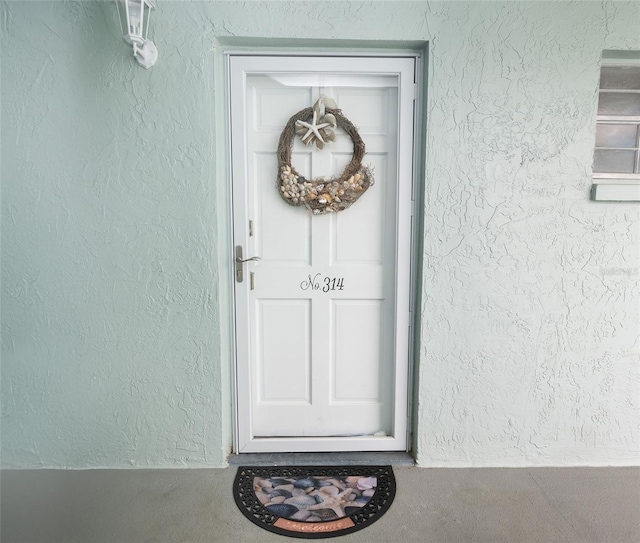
column 320, row 129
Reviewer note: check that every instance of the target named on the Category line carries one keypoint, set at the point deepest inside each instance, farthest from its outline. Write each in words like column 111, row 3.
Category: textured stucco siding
column 111, row 336
column 115, row 287
column 531, row 300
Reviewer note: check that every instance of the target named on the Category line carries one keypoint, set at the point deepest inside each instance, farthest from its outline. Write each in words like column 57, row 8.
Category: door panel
column 275, row 357
column 322, row 319
column 358, row 379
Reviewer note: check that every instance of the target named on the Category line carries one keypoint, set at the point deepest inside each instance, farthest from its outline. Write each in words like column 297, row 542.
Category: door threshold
column 394, row 458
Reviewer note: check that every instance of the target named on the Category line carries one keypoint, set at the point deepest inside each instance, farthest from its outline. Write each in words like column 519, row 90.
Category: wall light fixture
column 134, row 21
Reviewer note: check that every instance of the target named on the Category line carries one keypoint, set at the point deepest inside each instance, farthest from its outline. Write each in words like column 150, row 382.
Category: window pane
column 612, row 103
column 620, row 77
column 616, row 135
column 605, row 161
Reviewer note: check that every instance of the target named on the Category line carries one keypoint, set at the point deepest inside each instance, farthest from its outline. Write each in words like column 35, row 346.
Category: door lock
column 239, row 261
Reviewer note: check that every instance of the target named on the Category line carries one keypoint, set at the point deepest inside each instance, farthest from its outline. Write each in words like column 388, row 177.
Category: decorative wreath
column 315, row 125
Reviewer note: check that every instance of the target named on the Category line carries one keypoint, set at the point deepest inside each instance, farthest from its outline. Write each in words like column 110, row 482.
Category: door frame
column 410, row 291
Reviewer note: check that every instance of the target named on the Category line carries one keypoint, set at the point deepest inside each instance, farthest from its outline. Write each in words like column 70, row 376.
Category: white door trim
column 404, row 66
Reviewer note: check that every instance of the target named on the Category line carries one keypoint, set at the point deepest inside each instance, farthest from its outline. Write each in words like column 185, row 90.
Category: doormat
column 314, row 502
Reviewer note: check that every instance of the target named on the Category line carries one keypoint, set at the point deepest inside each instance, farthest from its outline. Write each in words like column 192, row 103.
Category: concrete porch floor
column 540, row 505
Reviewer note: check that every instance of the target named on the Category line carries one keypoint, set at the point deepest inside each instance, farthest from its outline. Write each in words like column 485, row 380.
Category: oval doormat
column 314, row 502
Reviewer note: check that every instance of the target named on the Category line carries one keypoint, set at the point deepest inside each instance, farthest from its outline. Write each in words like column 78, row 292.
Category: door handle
column 239, row 261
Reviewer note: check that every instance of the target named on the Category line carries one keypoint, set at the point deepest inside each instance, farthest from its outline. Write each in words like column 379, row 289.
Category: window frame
column 611, row 186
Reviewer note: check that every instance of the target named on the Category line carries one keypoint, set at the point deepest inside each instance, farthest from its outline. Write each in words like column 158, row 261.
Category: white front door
column 323, row 318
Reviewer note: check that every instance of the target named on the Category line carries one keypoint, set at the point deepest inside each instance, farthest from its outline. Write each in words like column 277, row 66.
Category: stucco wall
column 115, row 313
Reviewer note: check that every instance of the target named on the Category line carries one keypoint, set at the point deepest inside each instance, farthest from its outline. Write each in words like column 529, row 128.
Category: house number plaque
column 322, row 283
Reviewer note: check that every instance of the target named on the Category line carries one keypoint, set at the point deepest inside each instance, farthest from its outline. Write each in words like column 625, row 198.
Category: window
column 616, row 161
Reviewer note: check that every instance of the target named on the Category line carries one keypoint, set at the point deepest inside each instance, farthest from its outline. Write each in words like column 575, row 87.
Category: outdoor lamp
column 134, row 21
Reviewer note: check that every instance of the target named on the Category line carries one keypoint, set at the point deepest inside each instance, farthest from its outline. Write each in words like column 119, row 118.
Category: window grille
column 616, row 158
column 618, row 129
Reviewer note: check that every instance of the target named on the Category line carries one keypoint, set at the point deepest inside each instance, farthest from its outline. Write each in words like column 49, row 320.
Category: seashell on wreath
column 316, row 125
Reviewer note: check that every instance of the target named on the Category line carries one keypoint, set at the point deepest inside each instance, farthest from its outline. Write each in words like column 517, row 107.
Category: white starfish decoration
column 313, row 128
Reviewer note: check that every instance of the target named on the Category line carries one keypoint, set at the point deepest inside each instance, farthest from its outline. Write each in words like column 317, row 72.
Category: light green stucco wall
column 115, row 302
column 111, row 304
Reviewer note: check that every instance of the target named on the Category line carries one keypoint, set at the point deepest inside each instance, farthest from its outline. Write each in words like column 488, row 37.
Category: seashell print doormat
column 314, row 502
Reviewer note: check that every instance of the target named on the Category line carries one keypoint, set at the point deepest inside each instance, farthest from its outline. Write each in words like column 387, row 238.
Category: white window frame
column 619, row 187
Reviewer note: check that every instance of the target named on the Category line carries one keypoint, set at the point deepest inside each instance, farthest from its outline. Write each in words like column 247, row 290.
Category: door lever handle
column 239, row 261
column 254, row 258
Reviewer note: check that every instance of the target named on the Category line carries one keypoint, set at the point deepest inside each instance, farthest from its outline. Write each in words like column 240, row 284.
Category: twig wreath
column 315, row 125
